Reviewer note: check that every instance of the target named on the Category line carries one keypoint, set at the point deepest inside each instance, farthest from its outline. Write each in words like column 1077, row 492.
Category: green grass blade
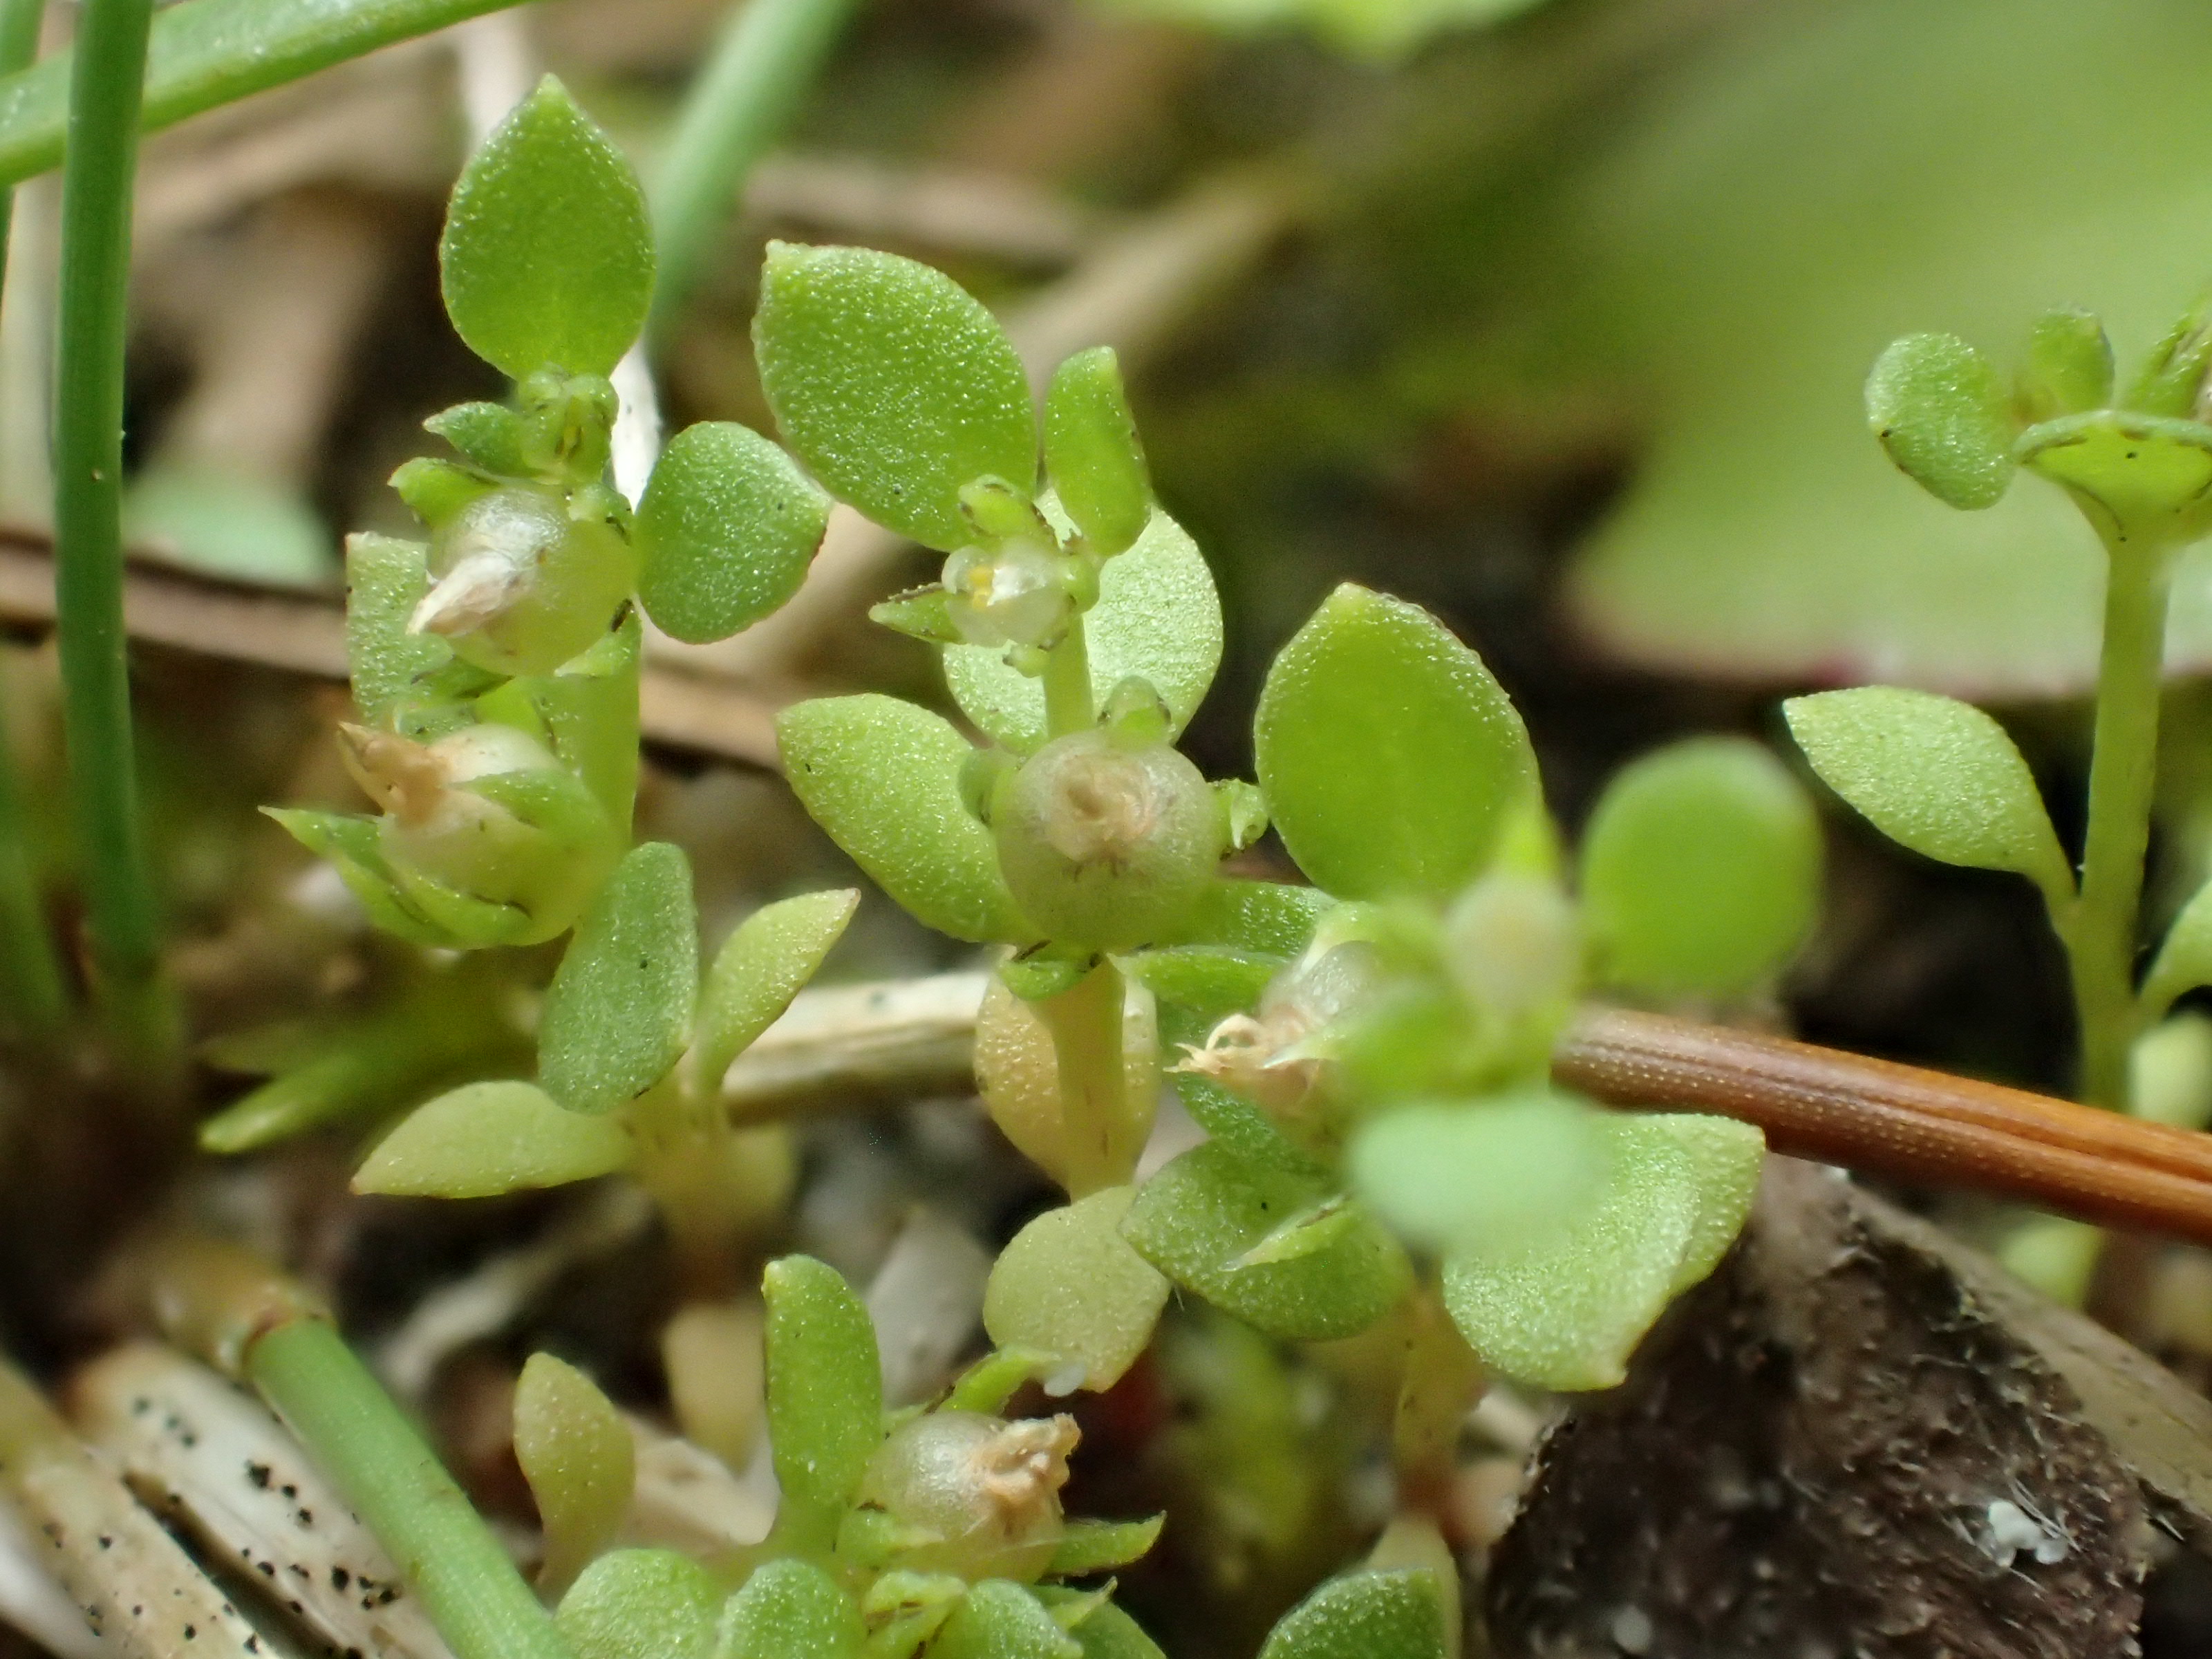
column 207, row 53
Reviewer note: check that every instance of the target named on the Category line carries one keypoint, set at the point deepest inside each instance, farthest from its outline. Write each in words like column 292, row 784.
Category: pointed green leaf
column 1105, row 1631
column 892, row 384
column 1157, row 617
column 2070, row 365
column 2172, row 378
column 546, row 256
column 920, row 613
column 1940, row 411
column 999, row 1619
column 787, row 1608
column 588, row 708
column 484, row 1138
column 579, row 1460
column 1091, row 451
column 759, row 969
column 1363, row 1615
column 1493, row 1176
column 1700, row 870
column 619, row 1005
column 1935, row 774
column 825, row 1400
column 1568, row 1315
column 1089, row 1546
column 1389, row 756
column 2184, row 959
column 1200, row 1218
column 386, row 580
column 882, row 777
column 642, row 1604
column 487, row 435
column 725, row 532
column 1070, row 1285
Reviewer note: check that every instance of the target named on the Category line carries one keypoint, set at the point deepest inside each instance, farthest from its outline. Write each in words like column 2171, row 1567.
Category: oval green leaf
column 725, row 532
column 1700, row 870
column 893, row 384
column 1091, row 451
column 1935, row 774
column 641, row 1604
column 1070, row 1285
column 1000, row 1620
column 1567, row 1315
column 484, row 1138
column 1389, row 756
column 787, row 1608
column 581, row 1464
column 1489, row 1176
column 882, row 777
column 1940, row 410
column 1279, row 1251
column 2069, row 364
column 1363, row 1615
column 825, row 1397
column 1159, row 617
column 619, row 1005
column 546, row 256
column 760, row 968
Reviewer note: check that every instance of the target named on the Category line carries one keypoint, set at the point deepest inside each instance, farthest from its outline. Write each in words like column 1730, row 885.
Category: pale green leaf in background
column 484, row 1138
column 619, row 1008
column 577, row 1453
column 1935, row 774
column 1069, row 1285
column 1488, row 1177
column 2070, row 365
column 1389, row 756
column 893, row 384
column 546, row 257
column 1700, row 870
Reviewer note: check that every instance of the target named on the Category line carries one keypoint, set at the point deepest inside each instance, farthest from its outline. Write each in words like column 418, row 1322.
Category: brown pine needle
column 1880, row 1118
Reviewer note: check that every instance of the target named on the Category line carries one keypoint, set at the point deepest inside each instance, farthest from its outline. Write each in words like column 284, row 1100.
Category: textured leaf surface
column 787, row 1608
column 1937, row 774
column 882, row 777
column 1092, row 453
column 1069, row 1285
column 1229, row 1231
column 760, row 968
column 546, row 256
column 578, row 1456
column 725, row 532
column 619, row 1005
column 642, row 1604
column 1363, row 1615
column 998, row 1620
column 1157, row 616
column 386, row 580
column 483, row 1138
column 825, row 1401
column 1567, row 1315
column 1700, row 870
column 893, row 384
column 1389, row 756
column 1940, row 411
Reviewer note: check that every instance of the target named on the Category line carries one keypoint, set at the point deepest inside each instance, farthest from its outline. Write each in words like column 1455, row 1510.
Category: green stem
column 210, row 52
column 28, row 968
column 2102, row 940
column 397, row 1485
column 96, row 189
column 1068, row 706
column 1087, row 1026
column 768, row 55
column 1439, row 1381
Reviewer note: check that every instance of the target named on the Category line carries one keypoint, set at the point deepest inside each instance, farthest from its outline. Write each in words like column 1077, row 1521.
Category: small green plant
column 1369, row 1054
column 1941, row 776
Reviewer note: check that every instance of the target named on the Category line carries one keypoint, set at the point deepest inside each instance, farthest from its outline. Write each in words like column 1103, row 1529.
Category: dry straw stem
column 138, row 1590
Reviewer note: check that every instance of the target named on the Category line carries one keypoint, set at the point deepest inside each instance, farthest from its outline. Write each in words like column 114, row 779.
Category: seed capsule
column 987, row 1488
column 519, row 584
column 1106, row 845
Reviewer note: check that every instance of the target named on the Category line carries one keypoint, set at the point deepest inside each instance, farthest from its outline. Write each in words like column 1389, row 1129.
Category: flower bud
column 437, row 825
column 1105, row 845
column 986, row 1489
column 519, row 584
column 1008, row 595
